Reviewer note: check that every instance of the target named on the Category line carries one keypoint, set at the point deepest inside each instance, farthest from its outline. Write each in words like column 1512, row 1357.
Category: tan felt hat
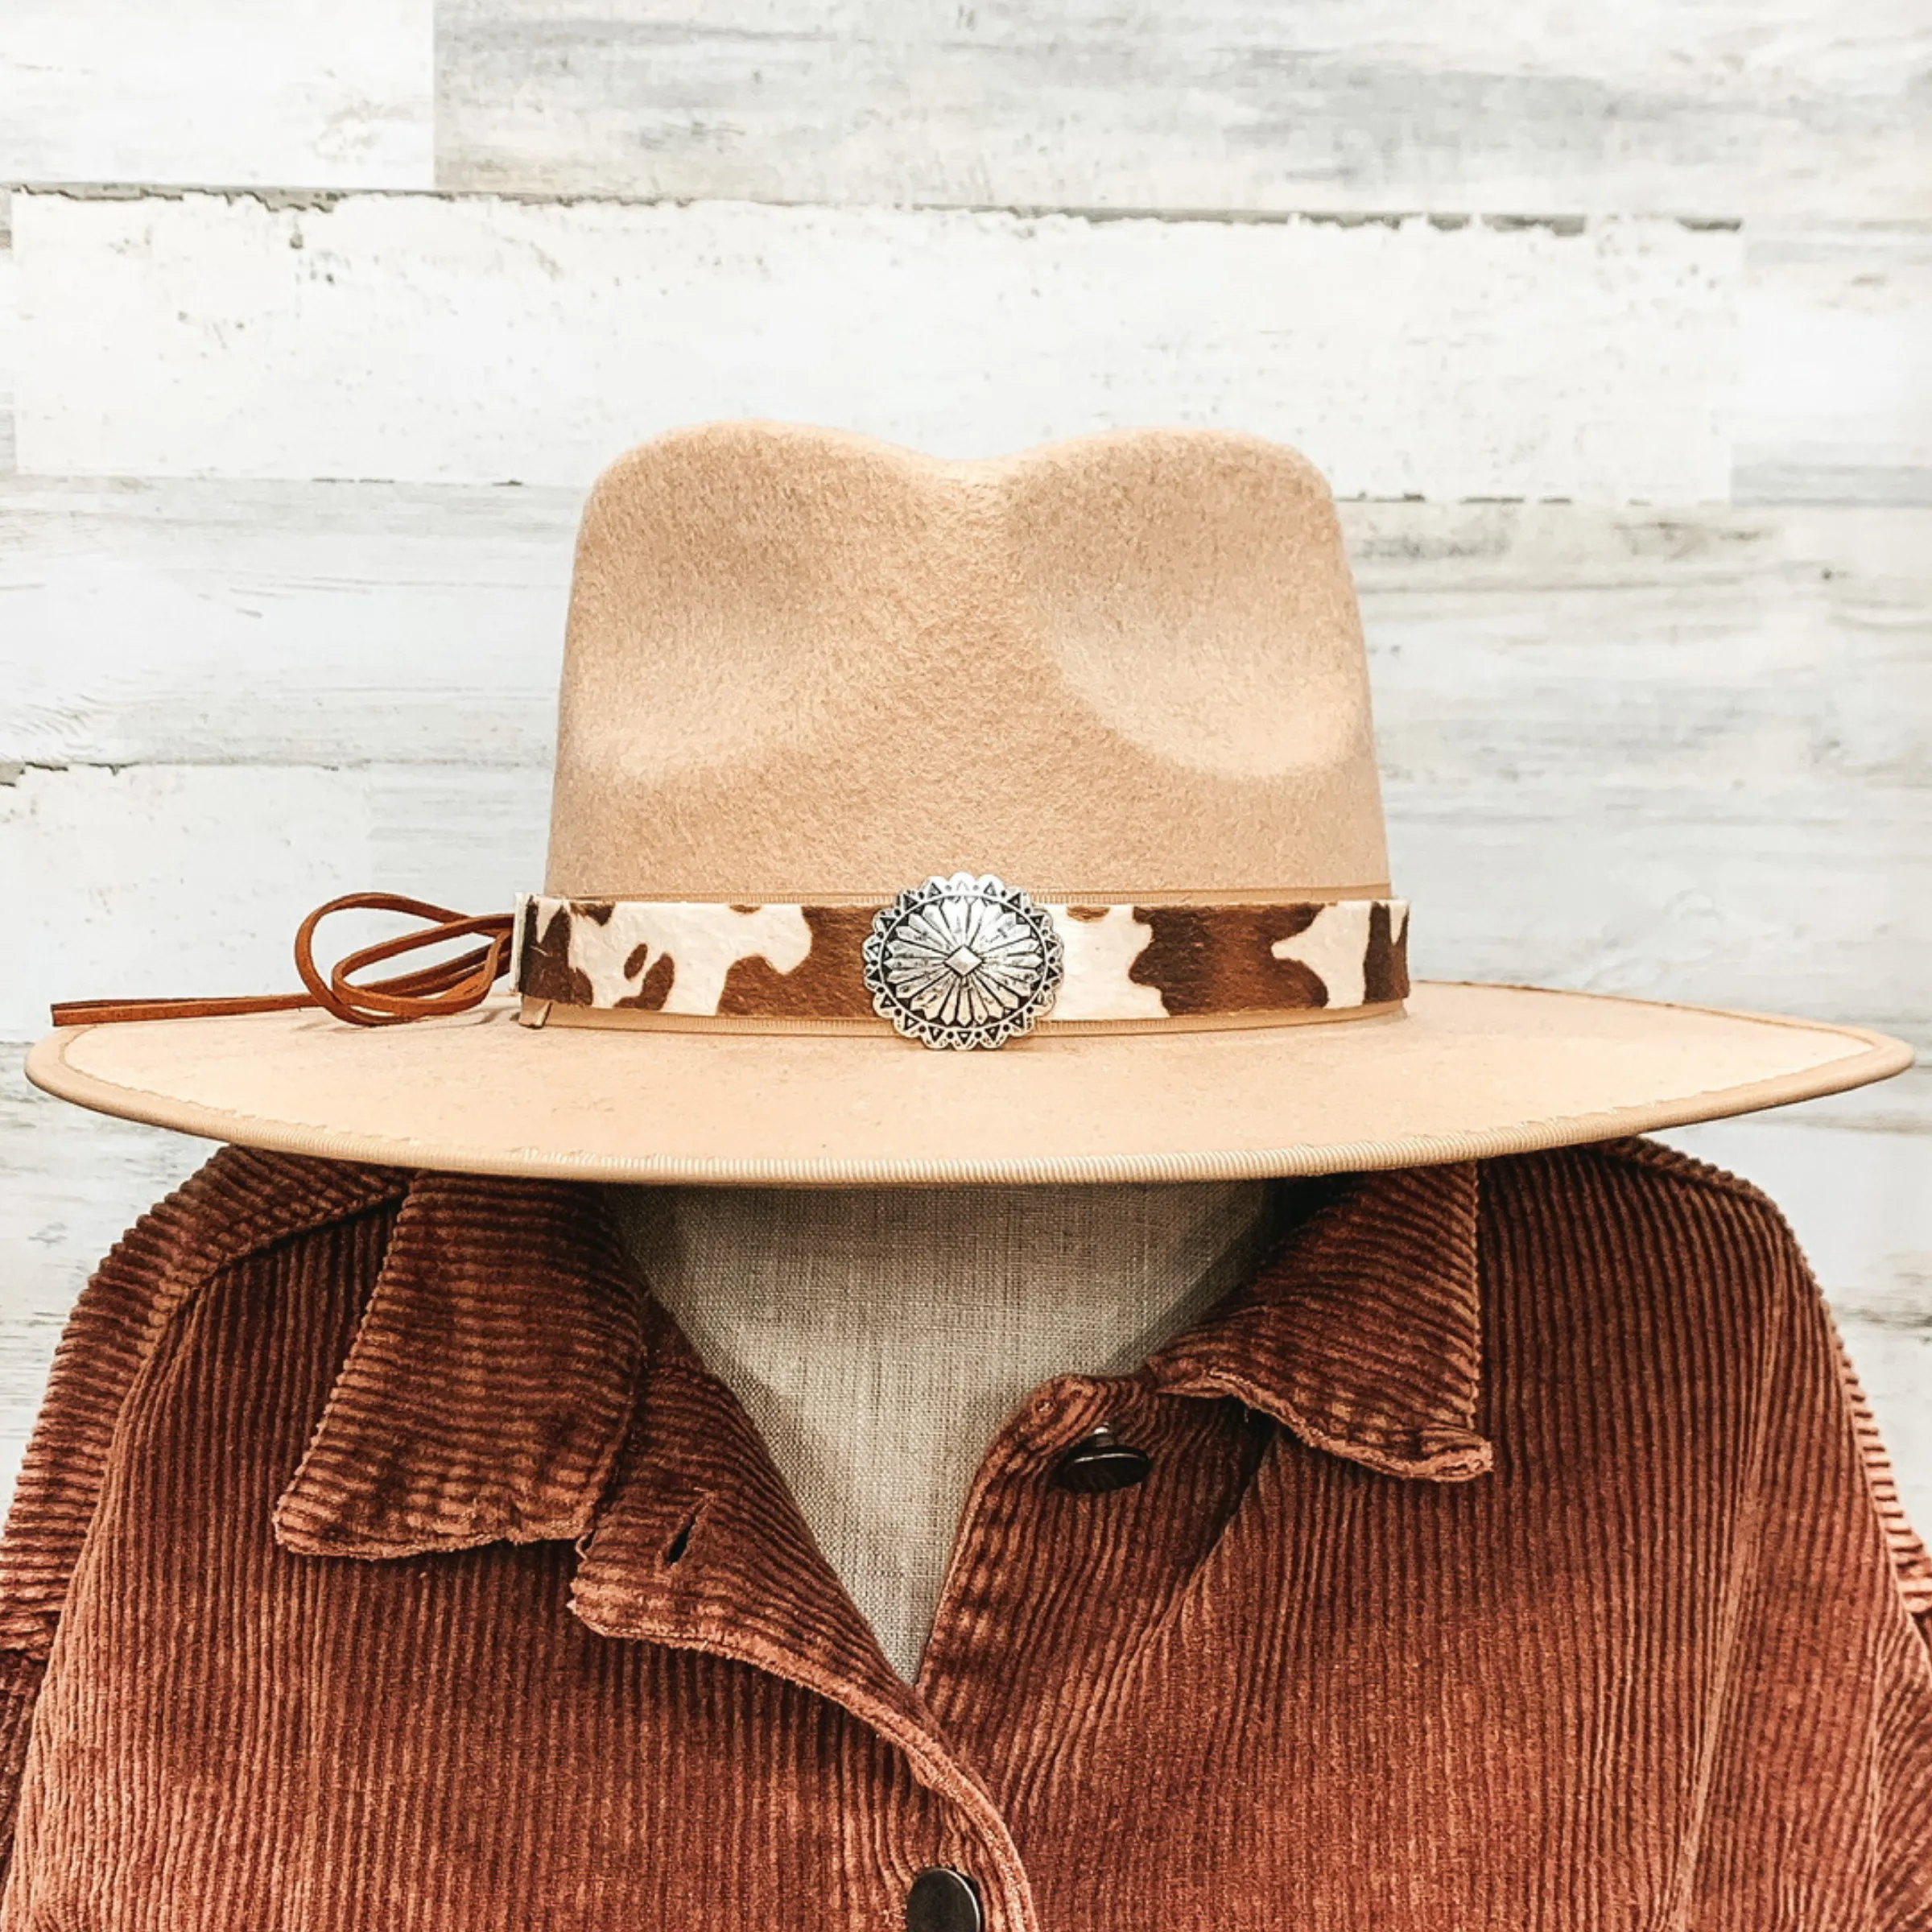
column 922, row 821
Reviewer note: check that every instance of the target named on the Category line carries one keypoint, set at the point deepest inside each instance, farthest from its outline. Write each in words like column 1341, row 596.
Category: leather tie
column 448, row 986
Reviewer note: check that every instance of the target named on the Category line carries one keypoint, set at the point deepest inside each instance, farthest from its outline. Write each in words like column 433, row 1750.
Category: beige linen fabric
column 878, row 1337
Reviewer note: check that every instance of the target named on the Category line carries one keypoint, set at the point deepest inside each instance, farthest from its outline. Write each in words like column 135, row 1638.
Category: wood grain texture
column 1826, row 387
column 299, row 94
column 266, row 623
column 1697, row 106
column 9, row 314
column 417, row 338
column 1689, row 755
column 1835, row 376
column 190, row 622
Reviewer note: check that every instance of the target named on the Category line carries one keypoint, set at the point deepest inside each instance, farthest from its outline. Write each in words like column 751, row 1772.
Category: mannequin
column 878, row 1337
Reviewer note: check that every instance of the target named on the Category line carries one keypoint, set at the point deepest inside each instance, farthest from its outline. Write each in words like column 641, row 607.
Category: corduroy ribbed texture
column 1516, row 1556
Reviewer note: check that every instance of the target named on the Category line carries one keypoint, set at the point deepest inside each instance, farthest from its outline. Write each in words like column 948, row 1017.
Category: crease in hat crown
column 803, row 665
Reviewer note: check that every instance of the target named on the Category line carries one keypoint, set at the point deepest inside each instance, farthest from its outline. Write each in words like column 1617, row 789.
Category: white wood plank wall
column 1615, row 326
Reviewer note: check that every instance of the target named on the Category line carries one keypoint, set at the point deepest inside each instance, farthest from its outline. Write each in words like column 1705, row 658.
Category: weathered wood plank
column 1832, row 364
column 314, row 623
column 1835, row 401
column 225, row 93
column 481, row 340
column 1732, row 652
column 1699, row 771
column 1710, row 106
column 9, row 314
column 203, row 622
column 1795, row 903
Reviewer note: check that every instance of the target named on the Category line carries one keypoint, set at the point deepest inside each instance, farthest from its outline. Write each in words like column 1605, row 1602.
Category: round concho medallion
column 963, row 962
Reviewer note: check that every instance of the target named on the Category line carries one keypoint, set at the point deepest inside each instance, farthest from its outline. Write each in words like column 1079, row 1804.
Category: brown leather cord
column 453, row 985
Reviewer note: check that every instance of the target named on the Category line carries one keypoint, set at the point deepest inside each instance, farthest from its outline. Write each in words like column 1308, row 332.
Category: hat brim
column 1466, row 1072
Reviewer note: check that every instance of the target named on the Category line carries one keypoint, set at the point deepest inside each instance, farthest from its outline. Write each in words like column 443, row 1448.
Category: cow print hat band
column 963, row 961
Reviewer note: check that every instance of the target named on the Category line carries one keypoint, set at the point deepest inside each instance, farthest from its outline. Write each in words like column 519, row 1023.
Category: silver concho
column 963, row 962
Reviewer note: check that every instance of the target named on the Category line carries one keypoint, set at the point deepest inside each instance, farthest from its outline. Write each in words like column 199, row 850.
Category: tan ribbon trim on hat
column 699, row 965
column 710, row 966
column 628, row 1019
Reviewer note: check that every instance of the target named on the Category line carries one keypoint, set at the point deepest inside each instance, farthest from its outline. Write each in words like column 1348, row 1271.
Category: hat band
column 704, row 964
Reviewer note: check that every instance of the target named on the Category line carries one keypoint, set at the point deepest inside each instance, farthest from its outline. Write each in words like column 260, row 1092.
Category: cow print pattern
column 1123, row 962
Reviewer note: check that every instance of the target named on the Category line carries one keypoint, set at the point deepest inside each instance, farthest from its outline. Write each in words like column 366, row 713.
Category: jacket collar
column 508, row 1346
column 485, row 1395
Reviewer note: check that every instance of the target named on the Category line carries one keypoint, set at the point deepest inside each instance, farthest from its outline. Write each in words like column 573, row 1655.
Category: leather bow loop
column 451, row 985
column 444, row 986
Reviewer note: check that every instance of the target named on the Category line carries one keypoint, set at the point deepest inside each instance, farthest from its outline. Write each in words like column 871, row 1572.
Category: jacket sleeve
column 1820, row 1784
column 1902, row 1743
column 112, row 1333
column 1911, row 1562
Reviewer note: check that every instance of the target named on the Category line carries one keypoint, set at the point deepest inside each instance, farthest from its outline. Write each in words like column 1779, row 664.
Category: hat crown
column 802, row 664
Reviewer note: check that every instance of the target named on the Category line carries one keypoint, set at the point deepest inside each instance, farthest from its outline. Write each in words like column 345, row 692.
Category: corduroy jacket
column 1515, row 1554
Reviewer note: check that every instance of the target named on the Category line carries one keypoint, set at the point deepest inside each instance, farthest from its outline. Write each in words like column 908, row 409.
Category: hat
column 1003, row 820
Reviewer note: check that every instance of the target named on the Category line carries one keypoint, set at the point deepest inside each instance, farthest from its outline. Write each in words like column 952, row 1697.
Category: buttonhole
column 674, row 1550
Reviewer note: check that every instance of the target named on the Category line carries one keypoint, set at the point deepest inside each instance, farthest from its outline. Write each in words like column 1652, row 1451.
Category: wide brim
column 1467, row 1071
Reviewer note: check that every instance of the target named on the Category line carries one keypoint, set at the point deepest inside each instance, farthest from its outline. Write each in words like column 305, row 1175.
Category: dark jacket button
column 1097, row 1463
column 942, row 1900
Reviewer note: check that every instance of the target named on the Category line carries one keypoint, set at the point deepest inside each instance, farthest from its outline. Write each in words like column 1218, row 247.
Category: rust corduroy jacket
column 1515, row 1555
